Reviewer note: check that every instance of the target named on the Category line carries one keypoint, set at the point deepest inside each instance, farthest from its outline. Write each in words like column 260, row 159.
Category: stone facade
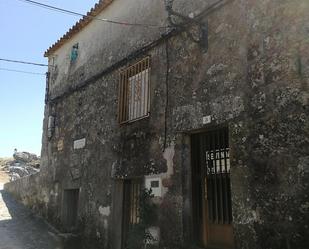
column 250, row 73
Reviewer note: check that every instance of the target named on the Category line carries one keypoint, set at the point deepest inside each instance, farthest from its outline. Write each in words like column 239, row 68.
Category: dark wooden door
column 212, row 190
column 70, row 208
column 131, row 208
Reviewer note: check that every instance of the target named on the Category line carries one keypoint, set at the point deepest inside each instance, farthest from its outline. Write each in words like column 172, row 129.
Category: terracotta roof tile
column 101, row 5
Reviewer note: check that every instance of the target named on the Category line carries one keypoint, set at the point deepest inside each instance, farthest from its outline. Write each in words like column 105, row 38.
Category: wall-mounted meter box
column 155, row 184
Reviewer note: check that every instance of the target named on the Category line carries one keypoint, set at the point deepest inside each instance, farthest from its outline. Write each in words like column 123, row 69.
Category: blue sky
column 26, row 31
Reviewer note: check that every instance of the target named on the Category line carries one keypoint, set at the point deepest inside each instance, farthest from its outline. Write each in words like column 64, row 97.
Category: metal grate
column 135, row 192
column 134, row 87
column 217, row 176
column 131, row 207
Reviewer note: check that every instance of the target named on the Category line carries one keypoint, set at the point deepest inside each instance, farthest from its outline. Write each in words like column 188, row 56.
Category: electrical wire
column 53, row 8
column 167, row 93
column 24, row 62
column 19, row 71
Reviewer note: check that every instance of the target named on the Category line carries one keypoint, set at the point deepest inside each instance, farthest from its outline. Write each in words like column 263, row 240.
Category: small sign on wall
column 79, row 144
column 207, row 119
column 154, row 183
column 75, row 173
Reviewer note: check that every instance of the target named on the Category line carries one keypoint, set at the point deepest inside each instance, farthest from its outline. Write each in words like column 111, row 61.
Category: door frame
column 200, row 230
column 67, row 195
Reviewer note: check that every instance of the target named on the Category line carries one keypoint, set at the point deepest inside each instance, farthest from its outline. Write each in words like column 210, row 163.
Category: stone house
column 203, row 102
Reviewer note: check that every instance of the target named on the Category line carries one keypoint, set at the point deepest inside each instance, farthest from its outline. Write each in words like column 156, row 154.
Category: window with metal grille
column 134, row 89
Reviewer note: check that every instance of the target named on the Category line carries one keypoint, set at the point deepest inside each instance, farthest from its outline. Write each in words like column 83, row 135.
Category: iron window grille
column 134, row 92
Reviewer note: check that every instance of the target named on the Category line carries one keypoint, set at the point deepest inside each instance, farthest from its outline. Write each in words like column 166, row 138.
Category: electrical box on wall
column 51, row 126
column 155, row 184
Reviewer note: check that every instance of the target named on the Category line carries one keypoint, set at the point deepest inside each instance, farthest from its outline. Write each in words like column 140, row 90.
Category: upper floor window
column 134, row 87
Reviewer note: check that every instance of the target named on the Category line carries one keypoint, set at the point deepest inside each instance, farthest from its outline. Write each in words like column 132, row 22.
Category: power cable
column 24, row 62
column 133, row 55
column 53, row 8
column 167, row 93
column 19, row 71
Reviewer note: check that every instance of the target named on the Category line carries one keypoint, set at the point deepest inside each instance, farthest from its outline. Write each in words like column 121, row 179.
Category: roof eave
column 79, row 25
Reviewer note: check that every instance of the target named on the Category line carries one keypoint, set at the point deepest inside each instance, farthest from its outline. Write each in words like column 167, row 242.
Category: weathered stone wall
column 270, row 143
column 253, row 78
column 102, row 44
column 28, row 191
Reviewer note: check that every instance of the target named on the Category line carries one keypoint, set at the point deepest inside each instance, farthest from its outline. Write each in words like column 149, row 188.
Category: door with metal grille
column 131, row 207
column 212, row 189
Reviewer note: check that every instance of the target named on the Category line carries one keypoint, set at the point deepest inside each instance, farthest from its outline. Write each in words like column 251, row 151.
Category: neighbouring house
column 203, row 102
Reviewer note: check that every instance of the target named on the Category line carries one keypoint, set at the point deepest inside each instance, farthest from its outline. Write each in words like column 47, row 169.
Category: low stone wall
column 25, row 190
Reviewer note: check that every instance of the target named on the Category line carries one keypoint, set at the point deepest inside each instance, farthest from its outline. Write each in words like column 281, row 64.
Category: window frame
column 131, row 71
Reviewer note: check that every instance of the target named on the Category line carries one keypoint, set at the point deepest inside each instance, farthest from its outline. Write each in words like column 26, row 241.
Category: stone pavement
column 20, row 229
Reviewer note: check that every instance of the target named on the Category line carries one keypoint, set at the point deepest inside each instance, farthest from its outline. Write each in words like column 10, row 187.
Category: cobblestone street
column 20, row 229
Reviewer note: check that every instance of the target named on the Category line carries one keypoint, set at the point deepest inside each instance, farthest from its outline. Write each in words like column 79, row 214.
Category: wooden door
column 70, row 208
column 131, row 207
column 212, row 190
